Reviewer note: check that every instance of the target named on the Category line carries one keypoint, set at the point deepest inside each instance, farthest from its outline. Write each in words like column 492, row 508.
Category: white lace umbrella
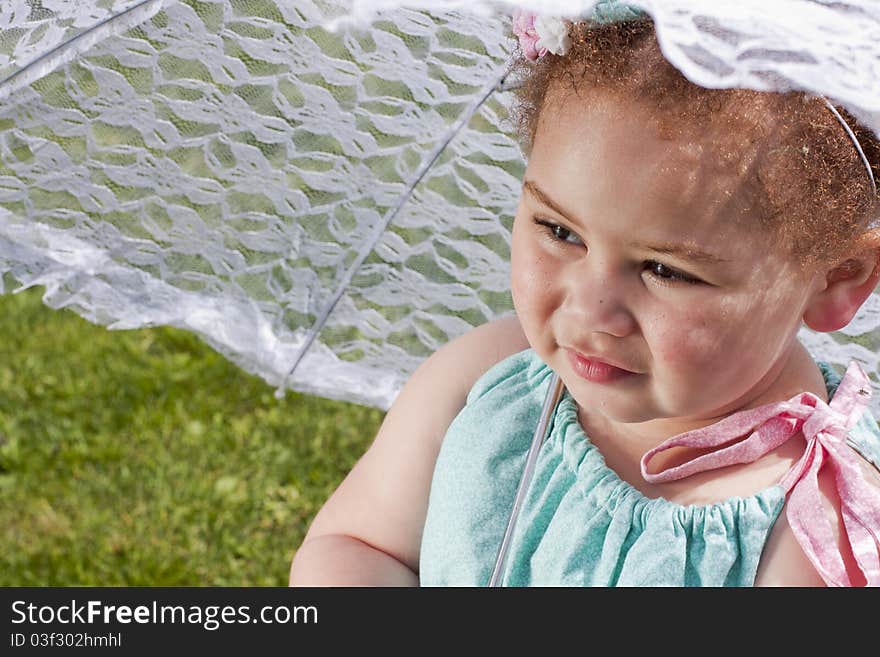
column 325, row 208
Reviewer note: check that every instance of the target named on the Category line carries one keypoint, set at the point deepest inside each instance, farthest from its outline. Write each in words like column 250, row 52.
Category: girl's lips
column 595, row 370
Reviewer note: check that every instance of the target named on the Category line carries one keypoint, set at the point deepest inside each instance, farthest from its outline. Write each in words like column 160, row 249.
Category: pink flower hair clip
column 539, row 35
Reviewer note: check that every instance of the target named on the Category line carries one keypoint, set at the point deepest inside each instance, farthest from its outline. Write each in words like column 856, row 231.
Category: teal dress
column 580, row 525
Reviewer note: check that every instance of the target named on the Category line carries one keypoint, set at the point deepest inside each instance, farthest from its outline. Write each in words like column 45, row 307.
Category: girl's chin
column 614, row 406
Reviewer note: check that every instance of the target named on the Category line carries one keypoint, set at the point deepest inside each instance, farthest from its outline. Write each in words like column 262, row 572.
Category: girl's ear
column 847, row 285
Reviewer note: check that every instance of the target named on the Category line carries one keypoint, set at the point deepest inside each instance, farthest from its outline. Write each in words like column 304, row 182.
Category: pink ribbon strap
column 825, row 428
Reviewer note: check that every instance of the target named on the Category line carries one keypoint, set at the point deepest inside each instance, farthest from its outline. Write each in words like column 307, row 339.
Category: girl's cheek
column 530, row 270
column 690, row 340
column 528, row 283
column 519, row 268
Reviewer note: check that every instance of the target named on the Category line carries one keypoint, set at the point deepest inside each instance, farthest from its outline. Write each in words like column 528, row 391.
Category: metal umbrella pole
column 554, row 393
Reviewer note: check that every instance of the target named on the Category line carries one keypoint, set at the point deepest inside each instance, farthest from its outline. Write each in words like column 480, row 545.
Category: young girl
column 669, row 242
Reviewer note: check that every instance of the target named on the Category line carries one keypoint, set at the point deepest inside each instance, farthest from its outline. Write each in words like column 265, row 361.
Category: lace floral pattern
column 336, row 200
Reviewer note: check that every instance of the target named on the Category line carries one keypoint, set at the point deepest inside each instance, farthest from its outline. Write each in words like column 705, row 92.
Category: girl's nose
column 597, row 299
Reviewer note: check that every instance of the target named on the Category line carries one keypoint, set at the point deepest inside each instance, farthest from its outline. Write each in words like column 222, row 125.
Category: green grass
column 136, row 458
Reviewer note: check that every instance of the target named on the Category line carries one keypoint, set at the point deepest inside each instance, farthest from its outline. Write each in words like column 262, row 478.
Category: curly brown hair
column 808, row 183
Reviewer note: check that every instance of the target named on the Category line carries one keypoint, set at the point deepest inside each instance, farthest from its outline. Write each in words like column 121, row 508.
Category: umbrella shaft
column 554, row 392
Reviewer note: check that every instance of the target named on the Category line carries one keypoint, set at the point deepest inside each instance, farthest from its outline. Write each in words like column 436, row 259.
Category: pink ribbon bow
column 825, row 428
column 524, row 29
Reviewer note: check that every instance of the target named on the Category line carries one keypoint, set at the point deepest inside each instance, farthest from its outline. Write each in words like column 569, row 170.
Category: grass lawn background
column 143, row 457
column 146, row 458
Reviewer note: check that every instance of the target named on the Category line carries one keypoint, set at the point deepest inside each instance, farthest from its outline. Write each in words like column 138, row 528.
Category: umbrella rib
column 64, row 52
column 495, row 85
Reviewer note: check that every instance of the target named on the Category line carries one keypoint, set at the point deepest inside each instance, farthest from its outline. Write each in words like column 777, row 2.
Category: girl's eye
column 667, row 276
column 660, row 273
column 558, row 233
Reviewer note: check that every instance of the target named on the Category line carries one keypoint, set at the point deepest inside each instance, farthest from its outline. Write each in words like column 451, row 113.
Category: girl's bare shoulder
column 383, row 500
column 470, row 356
column 784, row 563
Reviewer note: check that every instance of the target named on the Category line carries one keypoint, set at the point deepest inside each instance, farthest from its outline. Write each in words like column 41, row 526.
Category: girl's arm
column 369, row 532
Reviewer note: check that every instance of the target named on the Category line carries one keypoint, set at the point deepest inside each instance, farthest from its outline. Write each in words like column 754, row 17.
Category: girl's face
column 641, row 253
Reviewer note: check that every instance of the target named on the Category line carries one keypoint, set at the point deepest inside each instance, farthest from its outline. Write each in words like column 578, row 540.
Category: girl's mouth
column 595, row 370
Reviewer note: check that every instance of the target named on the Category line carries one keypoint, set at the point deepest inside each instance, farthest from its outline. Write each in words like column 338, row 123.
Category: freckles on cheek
column 529, row 278
column 518, row 280
column 529, row 292
column 690, row 342
column 708, row 342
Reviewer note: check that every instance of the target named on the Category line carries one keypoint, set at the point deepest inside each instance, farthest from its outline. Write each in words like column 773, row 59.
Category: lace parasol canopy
column 324, row 190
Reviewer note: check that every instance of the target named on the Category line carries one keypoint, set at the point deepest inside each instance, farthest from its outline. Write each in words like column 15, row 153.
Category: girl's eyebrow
column 532, row 188
column 680, row 250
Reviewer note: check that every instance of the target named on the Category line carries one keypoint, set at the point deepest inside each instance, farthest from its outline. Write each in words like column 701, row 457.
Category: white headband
column 855, row 142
